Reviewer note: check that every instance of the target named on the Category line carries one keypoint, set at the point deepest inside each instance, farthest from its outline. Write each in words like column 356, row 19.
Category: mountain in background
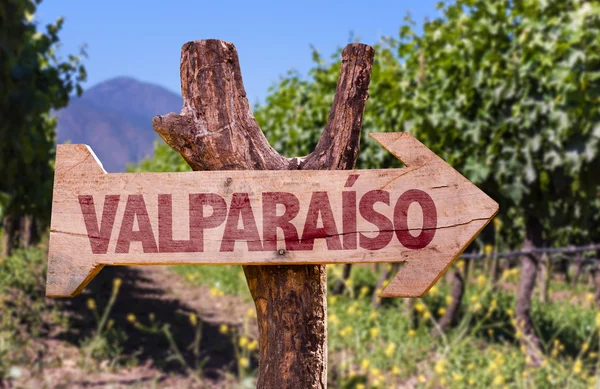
column 115, row 119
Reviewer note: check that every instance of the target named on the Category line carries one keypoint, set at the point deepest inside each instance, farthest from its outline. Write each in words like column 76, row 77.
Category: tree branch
column 217, row 131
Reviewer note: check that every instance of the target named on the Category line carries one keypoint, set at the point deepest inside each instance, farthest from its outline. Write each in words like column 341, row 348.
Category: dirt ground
column 144, row 291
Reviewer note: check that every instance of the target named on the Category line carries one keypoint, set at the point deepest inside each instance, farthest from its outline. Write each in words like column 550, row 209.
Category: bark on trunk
column 10, row 235
column 458, row 290
column 340, row 285
column 529, row 268
column 545, row 276
column 596, row 267
column 29, row 234
column 388, row 269
column 578, row 269
column 217, row 131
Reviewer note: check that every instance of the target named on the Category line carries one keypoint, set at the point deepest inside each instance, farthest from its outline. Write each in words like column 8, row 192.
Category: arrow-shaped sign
column 425, row 214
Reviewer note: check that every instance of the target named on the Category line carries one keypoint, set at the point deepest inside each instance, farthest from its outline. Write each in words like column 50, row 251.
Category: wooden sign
column 425, row 214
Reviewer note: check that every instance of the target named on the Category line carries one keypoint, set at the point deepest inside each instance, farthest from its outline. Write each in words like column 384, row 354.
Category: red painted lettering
column 240, row 207
column 271, row 221
column 319, row 205
column 401, row 219
column 136, row 208
column 384, row 225
column 199, row 222
column 99, row 237
column 349, row 220
column 166, row 244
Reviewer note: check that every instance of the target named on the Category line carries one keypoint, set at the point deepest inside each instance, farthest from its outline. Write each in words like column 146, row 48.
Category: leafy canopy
column 33, row 81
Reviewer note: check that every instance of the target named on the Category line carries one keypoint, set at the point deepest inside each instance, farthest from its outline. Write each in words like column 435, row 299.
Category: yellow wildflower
column 117, row 284
column 244, row 362
column 214, row 291
column 373, row 315
column 433, row 291
column 395, row 370
column 365, row 363
column 385, row 283
column 499, row 380
column 243, row 341
column 481, row 281
column 193, row 319
column 333, row 319
column 449, row 300
column 91, row 303
column 427, row 315
column 470, row 366
column 251, row 313
column 497, row 223
column 577, row 367
column 419, row 307
column 252, row 345
column 332, row 300
column 412, row 332
column 487, row 249
column 585, row 347
column 375, row 372
column 421, row 378
column 131, row 318
column 364, row 291
column 374, row 332
column 589, row 297
column 223, row 328
column 390, row 349
column 442, row 311
column 110, row 324
column 440, row 366
column 598, row 319
column 457, row 377
column 346, row 331
column 360, row 386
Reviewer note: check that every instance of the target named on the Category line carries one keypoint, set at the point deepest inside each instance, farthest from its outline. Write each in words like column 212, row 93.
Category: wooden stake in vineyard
column 364, row 214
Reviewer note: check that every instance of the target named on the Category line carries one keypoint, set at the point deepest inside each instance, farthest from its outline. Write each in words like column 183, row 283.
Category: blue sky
column 143, row 38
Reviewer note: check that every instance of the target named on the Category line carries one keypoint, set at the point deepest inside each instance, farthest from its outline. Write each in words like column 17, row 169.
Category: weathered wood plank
column 425, row 214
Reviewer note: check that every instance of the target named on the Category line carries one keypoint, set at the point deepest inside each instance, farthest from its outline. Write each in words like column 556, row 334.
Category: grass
column 381, row 347
column 369, row 347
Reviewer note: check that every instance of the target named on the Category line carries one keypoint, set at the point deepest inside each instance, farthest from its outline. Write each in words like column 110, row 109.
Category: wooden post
column 529, row 270
column 217, row 131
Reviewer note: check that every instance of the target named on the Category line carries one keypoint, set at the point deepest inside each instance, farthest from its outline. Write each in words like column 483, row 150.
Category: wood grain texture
column 264, row 217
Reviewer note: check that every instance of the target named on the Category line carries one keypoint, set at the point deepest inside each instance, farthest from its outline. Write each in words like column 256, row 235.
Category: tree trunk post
column 458, row 291
column 217, row 131
column 545, row 277
column 340, row 285
column 10, row 235
column 529, row 269
column 596, row 270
